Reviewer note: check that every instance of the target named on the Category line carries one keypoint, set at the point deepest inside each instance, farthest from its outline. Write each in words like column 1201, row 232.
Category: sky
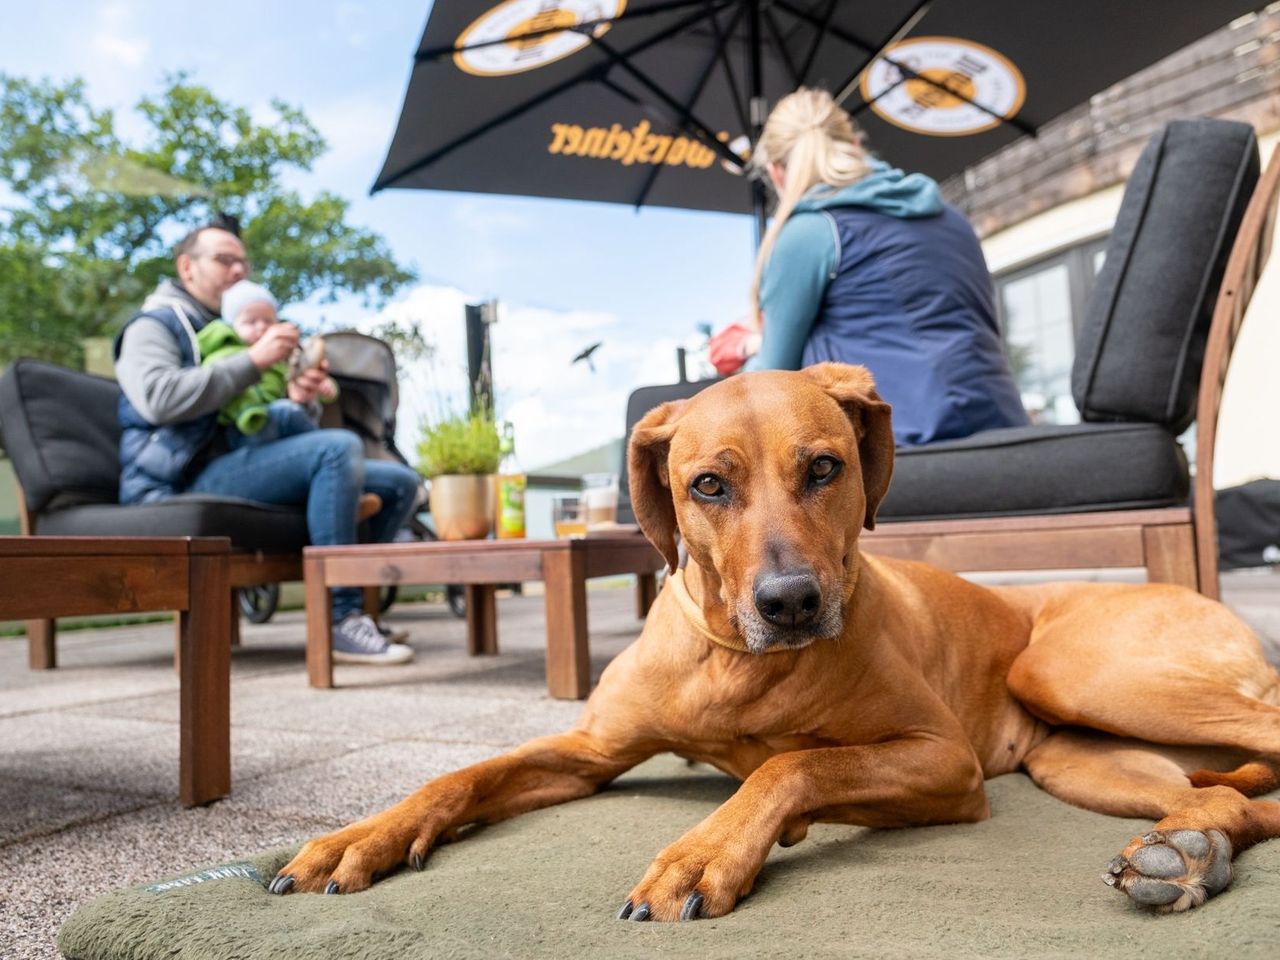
column 565, row 273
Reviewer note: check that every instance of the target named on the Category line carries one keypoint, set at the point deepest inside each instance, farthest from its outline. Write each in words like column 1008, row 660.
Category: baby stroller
column 364, row 368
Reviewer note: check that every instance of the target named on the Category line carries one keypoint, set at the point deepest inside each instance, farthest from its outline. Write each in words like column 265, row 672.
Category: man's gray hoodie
column 149, row 363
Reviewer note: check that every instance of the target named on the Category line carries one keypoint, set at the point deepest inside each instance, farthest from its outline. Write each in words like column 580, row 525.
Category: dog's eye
column 823, row 470
column 708, row 487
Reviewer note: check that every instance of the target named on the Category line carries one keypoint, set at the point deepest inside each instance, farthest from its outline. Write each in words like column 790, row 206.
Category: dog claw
column 1117, row 865
column 281, row 884
column 692, row 906
column 625, row 912
column 418, row 861
column 641, row 913
column 332, row 887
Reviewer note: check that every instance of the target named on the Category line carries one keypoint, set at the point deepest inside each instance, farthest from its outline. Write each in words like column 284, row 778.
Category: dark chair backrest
column 1140, row 350
column 641, row 401
column 61, row 432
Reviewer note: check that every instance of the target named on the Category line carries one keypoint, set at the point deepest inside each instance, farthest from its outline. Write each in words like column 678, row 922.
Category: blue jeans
column 325, row 470
column 284, row 419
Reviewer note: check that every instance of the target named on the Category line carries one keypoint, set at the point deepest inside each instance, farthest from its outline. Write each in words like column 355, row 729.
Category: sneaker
column 392, row 634
column 356, row 640
column 367, row 506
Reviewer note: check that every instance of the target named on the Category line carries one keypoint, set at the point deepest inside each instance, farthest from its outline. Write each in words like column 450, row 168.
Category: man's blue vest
column 911, row 300
column 155, row 461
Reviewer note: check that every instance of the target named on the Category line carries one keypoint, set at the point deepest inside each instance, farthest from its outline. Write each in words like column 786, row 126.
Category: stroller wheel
column 259, row 603
column 457, row 598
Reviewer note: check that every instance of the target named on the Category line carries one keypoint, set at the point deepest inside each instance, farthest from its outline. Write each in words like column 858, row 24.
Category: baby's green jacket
column 248, row 411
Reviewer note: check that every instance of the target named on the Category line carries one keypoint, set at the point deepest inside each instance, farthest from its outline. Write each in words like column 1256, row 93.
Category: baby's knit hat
column 235, row 298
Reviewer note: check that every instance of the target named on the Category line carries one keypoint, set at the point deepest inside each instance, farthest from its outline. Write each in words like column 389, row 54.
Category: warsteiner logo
column 637, row 145
column 520, row 35
column 948, row 78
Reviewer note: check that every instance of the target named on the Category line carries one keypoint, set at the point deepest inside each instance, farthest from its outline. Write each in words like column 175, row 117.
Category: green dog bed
column 1026, row 883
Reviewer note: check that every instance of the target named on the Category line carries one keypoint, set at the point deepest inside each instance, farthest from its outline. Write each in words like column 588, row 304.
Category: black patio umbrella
column 657, row 101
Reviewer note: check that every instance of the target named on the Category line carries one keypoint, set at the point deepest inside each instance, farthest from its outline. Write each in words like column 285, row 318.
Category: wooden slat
column 319, row 623
column 430, row 566
column 568, row 659
column 1016, row 549
column 482, row 619
column 1047, row 522
column 204, row 755
column 17, row 547
column 1248, row 259
column 80, row 584
column 1171, row 556
column 254, row 569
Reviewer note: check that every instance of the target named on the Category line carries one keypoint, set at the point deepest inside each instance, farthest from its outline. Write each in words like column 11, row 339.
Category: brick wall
column 1233, row 73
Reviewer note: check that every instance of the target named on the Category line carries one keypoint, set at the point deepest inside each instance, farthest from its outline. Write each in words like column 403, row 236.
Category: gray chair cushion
column 1038, row 470
column 250, row 525
column 1140, row 348
column 61, row 432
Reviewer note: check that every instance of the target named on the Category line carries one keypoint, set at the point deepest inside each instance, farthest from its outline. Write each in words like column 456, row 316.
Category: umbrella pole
column 757, row 112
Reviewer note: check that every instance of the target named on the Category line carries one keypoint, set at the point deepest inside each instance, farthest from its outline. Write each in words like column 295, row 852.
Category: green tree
column 89, row 222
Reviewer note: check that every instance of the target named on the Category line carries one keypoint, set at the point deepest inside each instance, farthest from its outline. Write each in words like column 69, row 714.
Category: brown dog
column 847, row 688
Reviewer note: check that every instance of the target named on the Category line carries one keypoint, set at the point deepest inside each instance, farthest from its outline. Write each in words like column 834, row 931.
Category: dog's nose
column 788, row 599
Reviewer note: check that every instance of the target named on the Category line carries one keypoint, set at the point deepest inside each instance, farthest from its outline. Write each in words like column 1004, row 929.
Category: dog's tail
column 1256, row 777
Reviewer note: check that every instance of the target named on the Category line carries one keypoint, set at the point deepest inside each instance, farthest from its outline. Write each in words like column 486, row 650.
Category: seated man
column 171, row 443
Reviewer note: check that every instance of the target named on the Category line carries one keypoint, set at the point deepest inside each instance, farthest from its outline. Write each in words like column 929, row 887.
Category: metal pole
column 757, row 111
column 479, row 362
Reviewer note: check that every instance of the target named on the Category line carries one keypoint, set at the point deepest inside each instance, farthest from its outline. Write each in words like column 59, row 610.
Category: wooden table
column 564, row 566
column 46, row 577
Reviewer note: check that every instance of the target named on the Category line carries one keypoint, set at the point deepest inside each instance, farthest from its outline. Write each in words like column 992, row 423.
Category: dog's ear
column 855, row 390
column 649, row 482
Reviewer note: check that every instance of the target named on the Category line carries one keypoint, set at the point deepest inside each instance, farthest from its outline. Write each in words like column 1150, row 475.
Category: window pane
column 1038, row 335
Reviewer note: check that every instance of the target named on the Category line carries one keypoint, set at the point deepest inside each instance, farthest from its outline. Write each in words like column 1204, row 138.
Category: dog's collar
column 693, row 613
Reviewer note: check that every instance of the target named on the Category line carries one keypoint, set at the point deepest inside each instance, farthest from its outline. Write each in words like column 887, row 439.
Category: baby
column 264, row 412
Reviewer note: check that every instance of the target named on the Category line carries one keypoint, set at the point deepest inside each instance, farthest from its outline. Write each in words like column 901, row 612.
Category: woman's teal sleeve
column 791, row 290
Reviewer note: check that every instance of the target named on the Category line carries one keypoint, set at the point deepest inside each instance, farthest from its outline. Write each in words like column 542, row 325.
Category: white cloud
column 113, row 40
column 558, row 408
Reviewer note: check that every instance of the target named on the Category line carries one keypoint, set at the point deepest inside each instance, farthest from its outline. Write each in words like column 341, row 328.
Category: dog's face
column 768, row 478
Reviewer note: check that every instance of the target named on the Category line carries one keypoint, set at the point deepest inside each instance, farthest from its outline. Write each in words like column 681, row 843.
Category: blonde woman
column 865, row 264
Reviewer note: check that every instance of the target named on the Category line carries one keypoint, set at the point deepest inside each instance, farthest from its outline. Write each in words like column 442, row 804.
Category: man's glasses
column 229, row 260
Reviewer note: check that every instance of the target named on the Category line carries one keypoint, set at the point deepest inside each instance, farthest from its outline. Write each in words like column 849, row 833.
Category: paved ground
column 88, row 753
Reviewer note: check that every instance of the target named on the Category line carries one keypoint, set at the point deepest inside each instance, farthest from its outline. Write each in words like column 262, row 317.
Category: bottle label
column 510, row 523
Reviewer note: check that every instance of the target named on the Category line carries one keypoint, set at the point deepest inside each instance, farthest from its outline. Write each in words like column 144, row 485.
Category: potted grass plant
column 459, row 455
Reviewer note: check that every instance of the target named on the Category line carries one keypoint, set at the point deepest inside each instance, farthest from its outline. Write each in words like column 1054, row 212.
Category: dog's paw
column 690, row 882
column 353, row 858
column 1172, row 870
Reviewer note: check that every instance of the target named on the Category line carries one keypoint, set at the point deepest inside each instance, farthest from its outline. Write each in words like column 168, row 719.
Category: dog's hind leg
column 1156, row 663
column 1186, row 858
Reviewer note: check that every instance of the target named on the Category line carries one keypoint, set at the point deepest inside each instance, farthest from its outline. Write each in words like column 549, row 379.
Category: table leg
column 482, row 619
column 42, row 649
column 568, row 659
column 204, row 752
column 319, row 624
column 646, row 593
column 234, row 594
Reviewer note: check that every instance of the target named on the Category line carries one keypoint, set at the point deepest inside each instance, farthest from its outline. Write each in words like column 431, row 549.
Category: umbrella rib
column 905, row 26
column 708, row 136
column 580, row 77
column 585, row 27
column 721, row 40
column 722, row 54
column 774, row 32
column 906, row 71
column 817, row 40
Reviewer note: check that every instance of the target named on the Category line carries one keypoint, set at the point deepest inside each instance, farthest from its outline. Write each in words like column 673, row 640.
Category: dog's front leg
column 538, row 774
column 904, row 782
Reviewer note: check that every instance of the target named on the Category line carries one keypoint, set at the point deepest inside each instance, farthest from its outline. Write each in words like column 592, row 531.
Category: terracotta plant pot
column 462, row 506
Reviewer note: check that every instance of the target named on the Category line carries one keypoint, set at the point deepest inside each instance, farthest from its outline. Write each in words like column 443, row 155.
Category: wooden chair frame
column 1175, row 544
column 245, row 569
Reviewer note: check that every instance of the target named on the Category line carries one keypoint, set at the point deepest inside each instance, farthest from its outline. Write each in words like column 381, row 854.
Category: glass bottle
column 511, row 488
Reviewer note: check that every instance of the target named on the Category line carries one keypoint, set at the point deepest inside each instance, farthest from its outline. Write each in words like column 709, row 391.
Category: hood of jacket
column 885, row 190
column 170, row 293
